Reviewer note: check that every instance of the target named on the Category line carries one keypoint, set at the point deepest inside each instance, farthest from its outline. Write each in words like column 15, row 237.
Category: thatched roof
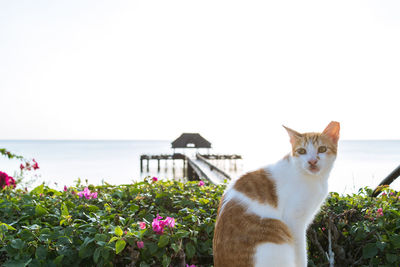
column 191, row 140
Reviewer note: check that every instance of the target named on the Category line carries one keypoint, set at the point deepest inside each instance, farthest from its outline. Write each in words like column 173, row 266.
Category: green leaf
column 113, row 239
column 17, row 243
column 40, row 211
column 64, row 210
column 17, row 263
column 143, row 264
column 93, row 208
column 175, row 247
column 97, row 254
column 164, row 240
column 100, row 237
column 9, row 227
column 369, row 250
column 190, row 250
column 85, row 250
column 41, row 253
column 134, row 208
column 118, row 231
column 391, row 258
column 37, row 190
column 119, row 246
column 59, row 259
column 166, row 260
column 395, row 239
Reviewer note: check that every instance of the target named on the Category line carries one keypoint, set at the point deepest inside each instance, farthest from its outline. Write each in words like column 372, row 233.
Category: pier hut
column 191, row 140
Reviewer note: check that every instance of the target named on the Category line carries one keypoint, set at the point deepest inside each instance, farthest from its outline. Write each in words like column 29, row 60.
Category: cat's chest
column 301, row 202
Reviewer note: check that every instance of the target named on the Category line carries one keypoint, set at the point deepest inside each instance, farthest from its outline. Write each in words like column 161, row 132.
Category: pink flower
column 391, row 193
column 187, row 265
column 87, row 194
column 323, row 228
column 170, row 222
column 157, row 227
column 155, row 179
column 379, row 212
column 6, row 180
column 65, row 188
column 35, row 166
column 384, row 194
column 21, row 166
column 140, row 244
column 201, row 183
column 142, row 225
column 158, row 224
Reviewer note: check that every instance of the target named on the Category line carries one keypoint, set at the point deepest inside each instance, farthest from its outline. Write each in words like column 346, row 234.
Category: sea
column 360, row 163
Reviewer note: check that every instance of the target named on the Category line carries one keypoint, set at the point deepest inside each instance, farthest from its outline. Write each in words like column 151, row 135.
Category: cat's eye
column 301, row 151
column 322, row 149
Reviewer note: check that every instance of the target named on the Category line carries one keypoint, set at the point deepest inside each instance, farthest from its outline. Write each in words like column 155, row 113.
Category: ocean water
column 359, row 163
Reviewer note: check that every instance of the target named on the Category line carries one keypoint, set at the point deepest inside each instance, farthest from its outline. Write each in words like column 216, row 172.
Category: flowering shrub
column 125, row 226
column 363, row 231
column 163, row 223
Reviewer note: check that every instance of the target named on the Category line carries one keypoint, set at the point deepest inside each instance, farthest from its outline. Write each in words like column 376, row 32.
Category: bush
column 46, row 227
column 102, row 226
column 364, row 231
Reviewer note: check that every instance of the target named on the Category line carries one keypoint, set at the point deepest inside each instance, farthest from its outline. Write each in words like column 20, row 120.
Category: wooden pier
column 198, row 167
column 194, row 168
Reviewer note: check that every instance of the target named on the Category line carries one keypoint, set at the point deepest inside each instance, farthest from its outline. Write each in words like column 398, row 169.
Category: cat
column 263, row 216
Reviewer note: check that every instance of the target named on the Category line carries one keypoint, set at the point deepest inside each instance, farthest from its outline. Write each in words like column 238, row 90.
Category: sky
column 234, row 71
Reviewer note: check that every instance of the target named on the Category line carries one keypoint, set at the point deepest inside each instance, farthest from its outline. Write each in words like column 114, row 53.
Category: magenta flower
column 35, row 166
column 65, row 188
column 6, row 180
column 201, row 183
column 140, row 244
column 187, row 265
column 158, row 224
column 384, row 194
column 87, row 194
column 21, row 166
column 170, row 222
column 142, row 225
column 379, row 212
column 155, row 179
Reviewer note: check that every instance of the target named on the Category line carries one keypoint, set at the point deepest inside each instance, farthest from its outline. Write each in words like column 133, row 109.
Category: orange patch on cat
column 238, row 233
column 259, row 186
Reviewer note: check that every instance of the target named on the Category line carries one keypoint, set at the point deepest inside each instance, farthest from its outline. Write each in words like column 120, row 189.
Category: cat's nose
column 312, row 161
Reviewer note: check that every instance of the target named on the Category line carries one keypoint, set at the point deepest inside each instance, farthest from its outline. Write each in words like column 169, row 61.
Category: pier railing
column 212, row 166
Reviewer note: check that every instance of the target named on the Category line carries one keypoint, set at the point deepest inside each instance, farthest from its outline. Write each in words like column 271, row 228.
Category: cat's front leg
column 301, row 249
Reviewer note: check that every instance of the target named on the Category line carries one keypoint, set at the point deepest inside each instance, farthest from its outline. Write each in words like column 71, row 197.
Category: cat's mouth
column 313, row 168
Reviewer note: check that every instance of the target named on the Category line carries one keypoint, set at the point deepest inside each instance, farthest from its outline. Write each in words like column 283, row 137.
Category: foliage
column 364, row 231
column 46, row 227
column 120, row 226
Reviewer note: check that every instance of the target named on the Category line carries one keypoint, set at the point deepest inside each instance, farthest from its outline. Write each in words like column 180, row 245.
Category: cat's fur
column 263, row 215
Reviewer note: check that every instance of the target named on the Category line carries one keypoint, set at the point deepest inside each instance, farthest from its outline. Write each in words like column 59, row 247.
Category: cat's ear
column 332, row 131
column 292, row 134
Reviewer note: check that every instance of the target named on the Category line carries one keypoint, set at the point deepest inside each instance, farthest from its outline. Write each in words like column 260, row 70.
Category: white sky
column 231, row 70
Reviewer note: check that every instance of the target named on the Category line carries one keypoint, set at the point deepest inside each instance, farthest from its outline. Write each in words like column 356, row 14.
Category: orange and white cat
column 263, row 215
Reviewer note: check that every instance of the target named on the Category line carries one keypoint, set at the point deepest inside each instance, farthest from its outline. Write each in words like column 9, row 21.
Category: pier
column 199, row 166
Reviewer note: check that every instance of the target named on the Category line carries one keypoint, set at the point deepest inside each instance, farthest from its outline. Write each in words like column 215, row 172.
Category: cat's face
column 314, row 153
